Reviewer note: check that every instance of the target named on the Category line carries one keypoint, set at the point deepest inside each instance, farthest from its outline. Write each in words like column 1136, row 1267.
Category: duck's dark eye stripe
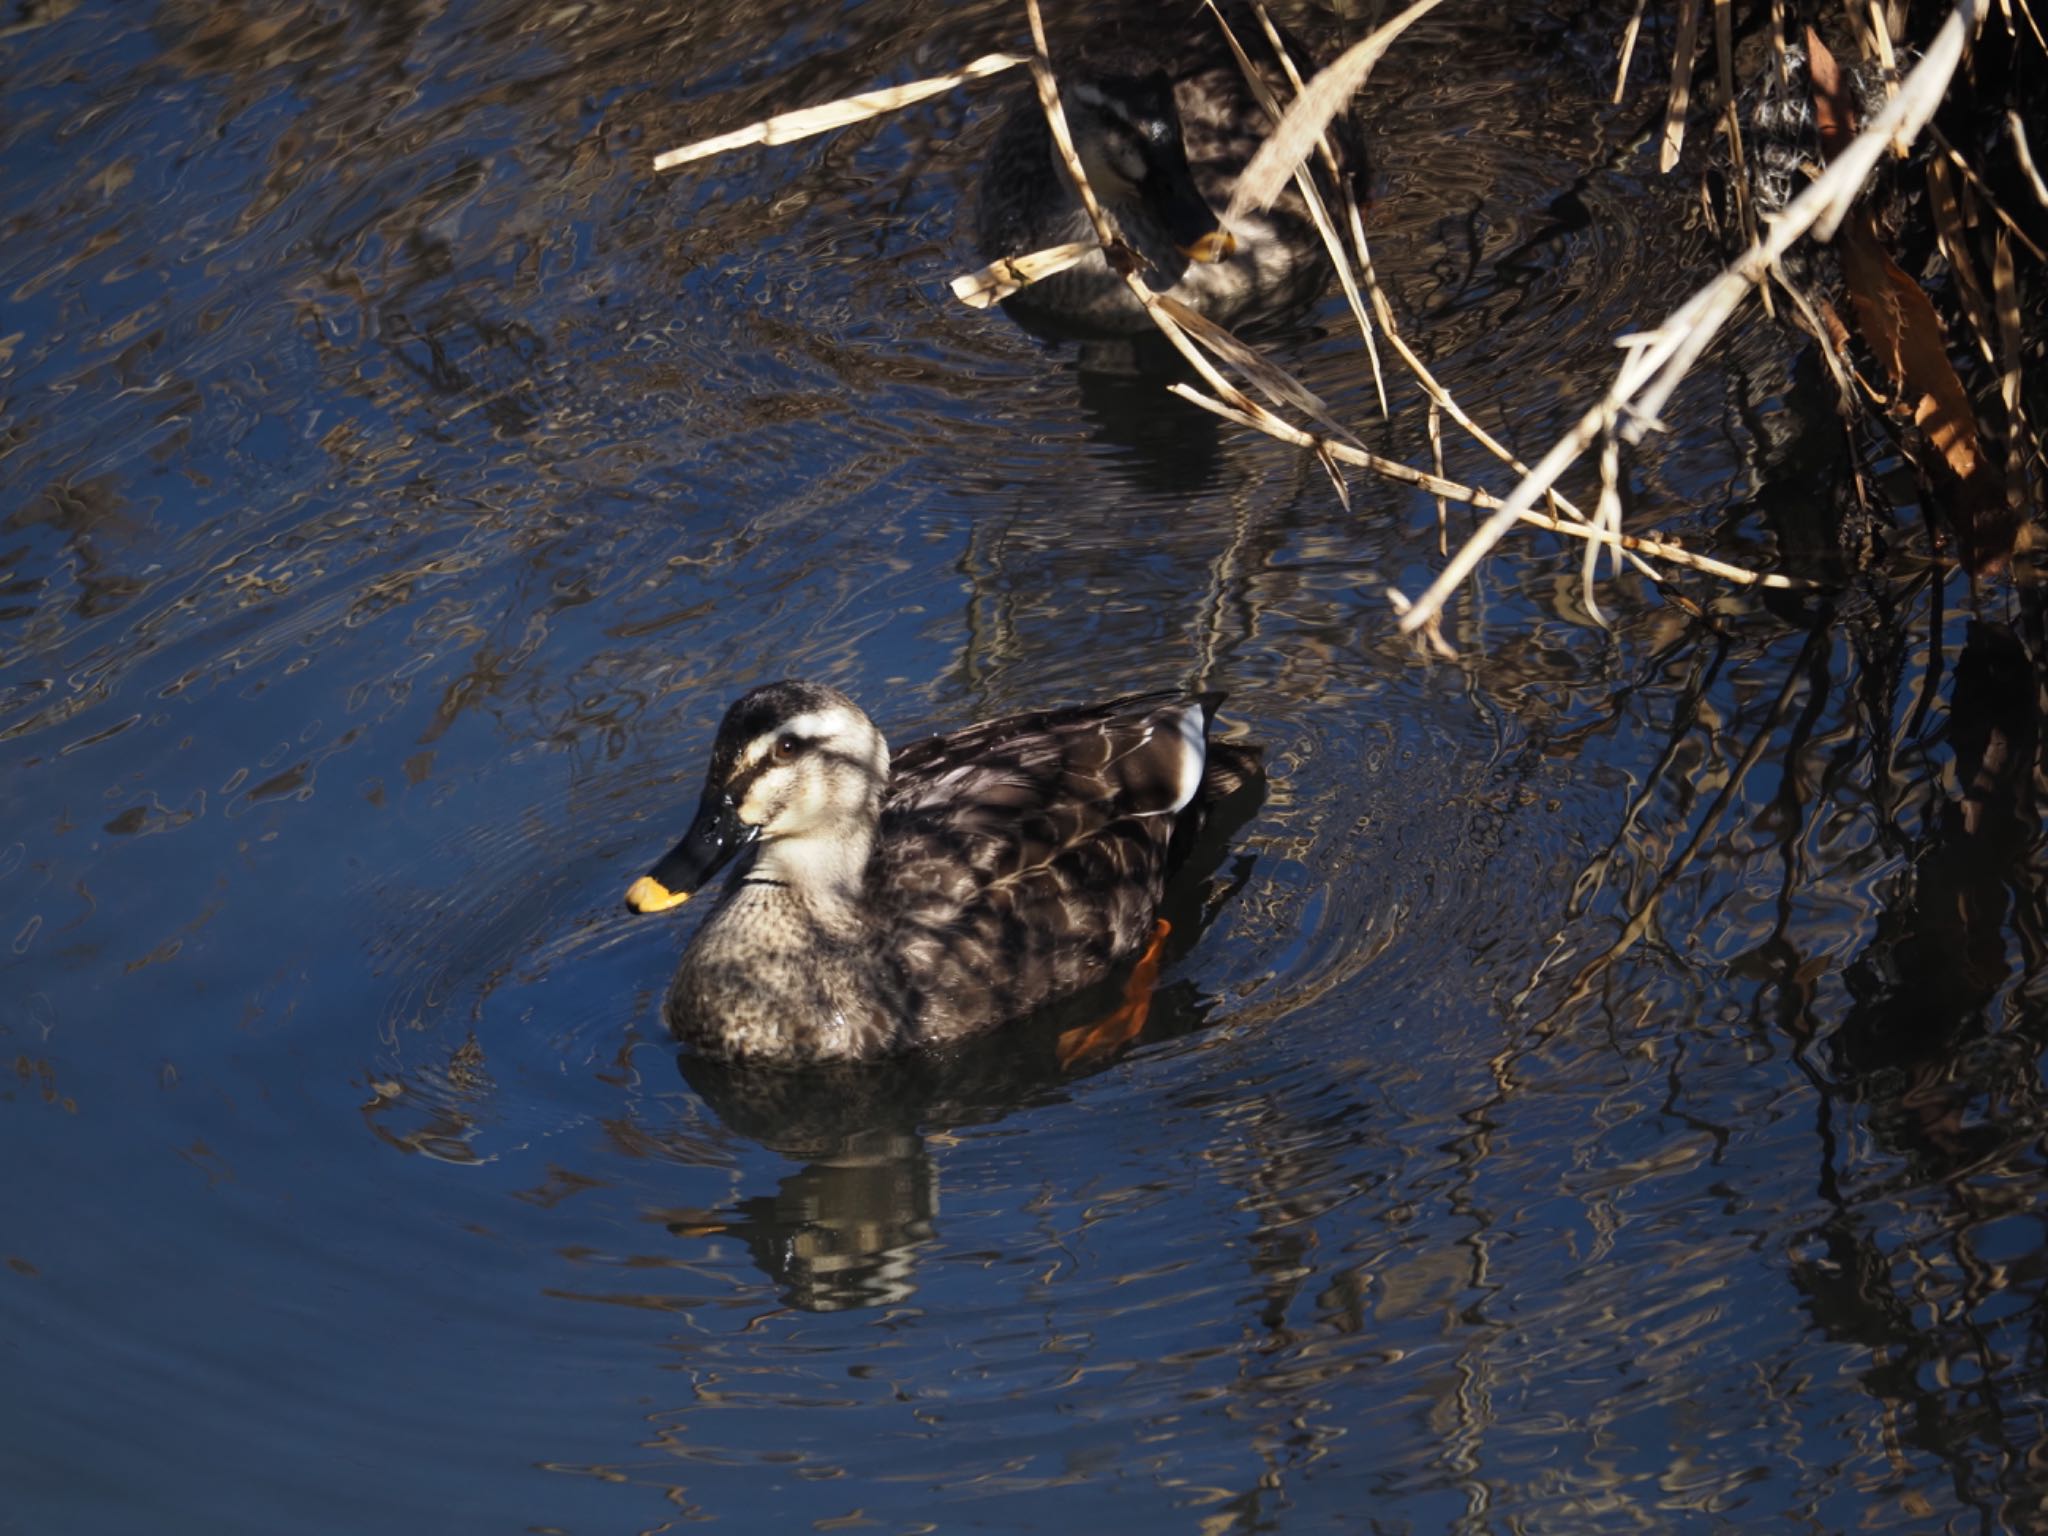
column 787, row 749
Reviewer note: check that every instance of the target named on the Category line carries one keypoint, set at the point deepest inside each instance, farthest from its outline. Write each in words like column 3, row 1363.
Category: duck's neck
column 827, row 874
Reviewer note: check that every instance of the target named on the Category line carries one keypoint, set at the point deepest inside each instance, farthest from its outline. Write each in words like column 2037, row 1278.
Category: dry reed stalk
column 787, row 127
column 1951, row 234
column 1731, row 117
column 1273, row 381
column 1394, row 469
column 1880, row 34
column 1294, row 137
column 2026, row 156
column 1628, row 50
column 1305, row 181
column 1005, row 276
column 2033, row 26
column 1983, row 190
column 1824, row 338
column 2005, row 289
column 1436, row 462
column 1680, row 95
column 1124, row 262
column 1431, row 632
column 1659, row 360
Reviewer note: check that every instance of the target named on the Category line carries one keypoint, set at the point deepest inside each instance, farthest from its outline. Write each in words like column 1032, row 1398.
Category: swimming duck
column 1163, row 127
column 890, row 903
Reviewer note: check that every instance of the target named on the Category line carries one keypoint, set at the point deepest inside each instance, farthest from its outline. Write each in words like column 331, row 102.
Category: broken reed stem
column 1394, row 469
column 1007, row 274
column 787, row 127
column 1659, row 360
column 1628, row 51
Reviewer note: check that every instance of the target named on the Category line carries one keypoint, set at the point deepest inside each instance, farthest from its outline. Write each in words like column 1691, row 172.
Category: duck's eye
column 1127, row 155
column 786, row 749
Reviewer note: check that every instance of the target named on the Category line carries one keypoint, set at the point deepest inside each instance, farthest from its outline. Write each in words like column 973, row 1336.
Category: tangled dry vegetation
column 1842, row 171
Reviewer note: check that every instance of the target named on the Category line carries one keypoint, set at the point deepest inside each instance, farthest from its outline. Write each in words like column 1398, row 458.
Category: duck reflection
column 1166, row 447
column 844, row 1229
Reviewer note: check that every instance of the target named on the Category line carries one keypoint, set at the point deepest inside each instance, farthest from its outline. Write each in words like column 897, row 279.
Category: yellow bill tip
column 648, row 894
column 1218, row 245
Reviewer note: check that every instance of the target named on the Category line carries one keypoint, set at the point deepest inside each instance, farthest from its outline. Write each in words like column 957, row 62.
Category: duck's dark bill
column 714, row 837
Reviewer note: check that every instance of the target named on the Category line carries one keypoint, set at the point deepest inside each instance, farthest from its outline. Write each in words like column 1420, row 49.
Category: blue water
column 1600, row 1090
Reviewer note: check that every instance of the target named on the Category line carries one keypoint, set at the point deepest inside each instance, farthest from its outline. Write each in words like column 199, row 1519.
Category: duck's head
column 797, row 771
column 1127, row 133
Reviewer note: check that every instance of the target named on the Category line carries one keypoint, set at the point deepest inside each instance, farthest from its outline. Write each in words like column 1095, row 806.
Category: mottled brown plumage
column 886, row 906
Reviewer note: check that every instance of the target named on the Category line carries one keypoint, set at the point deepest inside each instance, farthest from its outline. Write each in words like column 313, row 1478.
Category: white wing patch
column 1194, row 741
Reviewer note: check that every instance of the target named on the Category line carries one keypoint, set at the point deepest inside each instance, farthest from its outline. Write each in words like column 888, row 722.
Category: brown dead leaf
column 1900, row 326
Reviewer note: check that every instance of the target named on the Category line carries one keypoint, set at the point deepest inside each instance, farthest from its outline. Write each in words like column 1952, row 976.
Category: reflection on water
column 1599, row 1089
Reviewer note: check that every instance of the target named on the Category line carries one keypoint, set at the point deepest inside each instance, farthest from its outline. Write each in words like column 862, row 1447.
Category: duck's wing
column 1021, row 858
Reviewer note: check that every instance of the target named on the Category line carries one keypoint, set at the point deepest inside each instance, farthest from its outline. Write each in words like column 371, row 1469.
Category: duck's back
column 1021, row 859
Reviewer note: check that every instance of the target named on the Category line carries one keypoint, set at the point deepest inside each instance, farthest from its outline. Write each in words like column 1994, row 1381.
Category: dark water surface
column 1605, row 1095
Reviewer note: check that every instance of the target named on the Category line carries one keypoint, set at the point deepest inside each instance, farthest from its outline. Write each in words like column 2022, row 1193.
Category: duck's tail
column 1228, row 767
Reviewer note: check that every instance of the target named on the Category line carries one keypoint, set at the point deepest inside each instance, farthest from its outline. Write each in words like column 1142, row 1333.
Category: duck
column 882, row 903
column 1163, row 126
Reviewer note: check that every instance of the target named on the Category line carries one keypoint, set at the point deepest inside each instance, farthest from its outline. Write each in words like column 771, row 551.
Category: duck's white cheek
column 757, row 806
column 809, row 804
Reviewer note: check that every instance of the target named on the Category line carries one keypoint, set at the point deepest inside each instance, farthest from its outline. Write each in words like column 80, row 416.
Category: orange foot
column 1094, row 1042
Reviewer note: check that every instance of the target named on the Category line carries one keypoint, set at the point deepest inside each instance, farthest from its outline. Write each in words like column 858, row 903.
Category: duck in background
column 1163, row 125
